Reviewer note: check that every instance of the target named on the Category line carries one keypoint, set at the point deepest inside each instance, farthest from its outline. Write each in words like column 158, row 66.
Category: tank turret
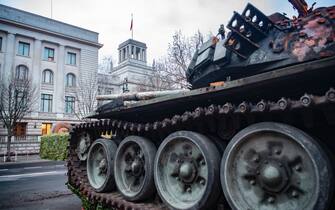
column 258, row 43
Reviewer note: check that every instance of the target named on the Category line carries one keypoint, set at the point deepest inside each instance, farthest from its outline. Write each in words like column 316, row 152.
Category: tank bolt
column 271, row 199
column 202, row 182
column 295, row 194
column 306, row 100
column 331, row 95
column 189, row 190
column 202, row 162
column 177, row 178
column 252, row 182
column 298, row 168
column 261, row 105
column 283, row 103
column 190, row 152
column 258, row 173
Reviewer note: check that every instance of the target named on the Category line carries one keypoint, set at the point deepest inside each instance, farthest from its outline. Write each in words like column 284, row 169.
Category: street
column 39, row 185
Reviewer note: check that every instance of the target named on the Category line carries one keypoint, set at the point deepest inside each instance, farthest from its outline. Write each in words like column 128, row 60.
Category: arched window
column 21, row 72
column 70, row 80
column 47, row 76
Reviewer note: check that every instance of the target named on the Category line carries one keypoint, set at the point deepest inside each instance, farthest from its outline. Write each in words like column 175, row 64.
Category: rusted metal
column 301, row 6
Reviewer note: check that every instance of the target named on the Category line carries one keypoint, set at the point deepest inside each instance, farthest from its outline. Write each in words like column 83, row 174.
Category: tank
column 256, row 131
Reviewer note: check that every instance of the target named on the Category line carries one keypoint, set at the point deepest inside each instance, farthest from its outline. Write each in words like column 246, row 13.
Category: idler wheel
column 100, row 163
column 275, row 166
column 133, row 168
column 187, row 171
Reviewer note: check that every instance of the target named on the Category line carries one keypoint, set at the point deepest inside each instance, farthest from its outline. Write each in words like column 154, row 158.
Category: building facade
column 55, row 55
column 132, row 74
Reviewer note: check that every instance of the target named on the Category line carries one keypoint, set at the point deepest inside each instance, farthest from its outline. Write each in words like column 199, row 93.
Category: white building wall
column 41, row 32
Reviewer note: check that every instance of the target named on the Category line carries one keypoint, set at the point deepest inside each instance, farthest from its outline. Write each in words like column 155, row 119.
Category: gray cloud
column 155, row 21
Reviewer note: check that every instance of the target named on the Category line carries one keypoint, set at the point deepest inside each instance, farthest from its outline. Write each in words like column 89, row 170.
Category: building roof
column 37, row 22
column 133, row 42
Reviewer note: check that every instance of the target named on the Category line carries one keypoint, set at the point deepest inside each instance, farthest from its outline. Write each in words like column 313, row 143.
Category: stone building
column 55, row 55
column 132, row 72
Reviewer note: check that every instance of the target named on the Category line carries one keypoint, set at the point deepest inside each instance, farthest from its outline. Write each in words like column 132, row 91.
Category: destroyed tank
column 256, row 131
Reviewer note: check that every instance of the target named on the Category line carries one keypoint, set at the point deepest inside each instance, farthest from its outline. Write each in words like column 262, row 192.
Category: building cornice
column 133, row 64
column 132, row 42
column 41, row 30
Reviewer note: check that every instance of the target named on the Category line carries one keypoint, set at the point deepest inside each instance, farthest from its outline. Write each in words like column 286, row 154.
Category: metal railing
column 20, row 145
column 23, row 139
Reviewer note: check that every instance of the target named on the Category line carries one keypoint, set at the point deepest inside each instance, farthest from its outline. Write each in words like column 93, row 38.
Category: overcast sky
column 155, row 21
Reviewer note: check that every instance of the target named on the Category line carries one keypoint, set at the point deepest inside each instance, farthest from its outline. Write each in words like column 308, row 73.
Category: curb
column 11, row 165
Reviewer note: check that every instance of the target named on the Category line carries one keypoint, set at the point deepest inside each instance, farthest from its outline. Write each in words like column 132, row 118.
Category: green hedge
column 53, row 147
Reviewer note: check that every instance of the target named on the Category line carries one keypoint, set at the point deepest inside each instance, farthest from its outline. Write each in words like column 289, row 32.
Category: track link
column 201, row 119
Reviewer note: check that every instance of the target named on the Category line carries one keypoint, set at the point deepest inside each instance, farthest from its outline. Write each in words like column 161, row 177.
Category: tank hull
column 218, row 113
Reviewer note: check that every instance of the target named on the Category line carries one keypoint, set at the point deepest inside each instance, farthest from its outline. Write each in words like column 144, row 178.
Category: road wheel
column 187, row 171
column 275, row 166
column 83, row 146
column 100, row 163
column 133, row 168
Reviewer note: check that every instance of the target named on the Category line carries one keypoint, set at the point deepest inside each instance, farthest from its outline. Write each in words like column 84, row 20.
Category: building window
column 46, row 103
column 46, row 128
column 20, row 129
column 0, row 43
column 21, row 72
column 125, row 85
column 49, row 54
column 47, row 77
column 69, row 104
column 24, row 48
column 70, row 80
column 71, row 58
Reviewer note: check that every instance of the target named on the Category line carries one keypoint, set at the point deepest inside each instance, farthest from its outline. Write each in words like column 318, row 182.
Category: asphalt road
column 34, row 186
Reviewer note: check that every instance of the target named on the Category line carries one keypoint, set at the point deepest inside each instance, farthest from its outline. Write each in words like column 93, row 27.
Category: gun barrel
column 138, row 96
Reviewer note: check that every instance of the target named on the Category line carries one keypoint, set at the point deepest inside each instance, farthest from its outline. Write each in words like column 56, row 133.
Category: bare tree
column 17, row 97
column 171, row 69
column 106, row 64
column 86, row 93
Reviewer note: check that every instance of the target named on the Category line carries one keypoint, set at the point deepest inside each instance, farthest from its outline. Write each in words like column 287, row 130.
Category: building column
column 145, row 55
column 128, row 49
column 119, row 56
column 9, row 56
column 59, row 84
column 35, row 74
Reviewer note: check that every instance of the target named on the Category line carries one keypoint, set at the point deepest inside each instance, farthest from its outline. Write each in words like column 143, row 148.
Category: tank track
column 201, row 119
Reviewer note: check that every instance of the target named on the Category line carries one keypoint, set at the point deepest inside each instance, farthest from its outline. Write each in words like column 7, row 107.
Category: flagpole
column 51, row 9
column 132, row 27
